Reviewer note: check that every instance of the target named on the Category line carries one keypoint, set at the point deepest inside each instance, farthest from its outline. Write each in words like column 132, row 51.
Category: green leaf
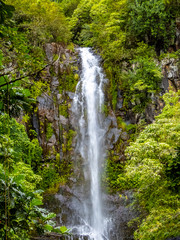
column 64, row 229
column 50, row 215
column 61, row 230
column 48, row 227
column 36, row 202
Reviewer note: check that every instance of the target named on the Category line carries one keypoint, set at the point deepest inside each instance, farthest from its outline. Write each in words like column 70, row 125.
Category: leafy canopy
column 44, row 19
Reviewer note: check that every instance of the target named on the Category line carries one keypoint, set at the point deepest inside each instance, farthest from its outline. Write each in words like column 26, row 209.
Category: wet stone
column 63, row 120
column 70, row 95
column 113, row 136
column 45, row 102
column 124, row 136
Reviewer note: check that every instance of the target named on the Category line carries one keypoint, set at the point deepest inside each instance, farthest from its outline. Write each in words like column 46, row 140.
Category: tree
column 152, row 22
column 142, row 81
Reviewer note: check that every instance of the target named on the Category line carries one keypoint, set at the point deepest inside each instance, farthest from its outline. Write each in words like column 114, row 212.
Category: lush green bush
column 162, row 223
column 19, row 198
column 17, row 202
column 80, row 18
column 15, row 144
column 153, row 170
column 20, row 158
column 20, row 63
column 141, row 82
column 21, row 214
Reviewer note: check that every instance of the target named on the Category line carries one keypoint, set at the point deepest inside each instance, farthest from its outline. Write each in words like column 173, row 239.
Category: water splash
column 87, row 104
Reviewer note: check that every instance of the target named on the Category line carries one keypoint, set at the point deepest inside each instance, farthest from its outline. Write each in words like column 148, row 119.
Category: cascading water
column 87, row 105
column 81, row 205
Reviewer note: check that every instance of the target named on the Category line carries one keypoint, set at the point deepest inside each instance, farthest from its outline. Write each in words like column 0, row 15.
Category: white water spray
column 88, row 101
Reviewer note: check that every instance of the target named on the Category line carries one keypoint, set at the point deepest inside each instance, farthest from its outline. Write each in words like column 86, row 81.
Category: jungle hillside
column 138, row 42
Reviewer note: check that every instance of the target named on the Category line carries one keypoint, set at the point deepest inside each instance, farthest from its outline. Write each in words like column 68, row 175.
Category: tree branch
column 27, row 75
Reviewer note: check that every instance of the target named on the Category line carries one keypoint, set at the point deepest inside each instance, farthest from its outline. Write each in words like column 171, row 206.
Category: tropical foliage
column 44, row 20
column 24, row 29
column 20, row 199
column 153, row 171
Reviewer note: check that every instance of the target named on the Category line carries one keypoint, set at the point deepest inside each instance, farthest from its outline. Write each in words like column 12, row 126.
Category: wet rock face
column 68, row 206
column 51, row 119
column 112, row 131
column 120, row 214
column 177, row 43
column 171, row 73
column 116, row 140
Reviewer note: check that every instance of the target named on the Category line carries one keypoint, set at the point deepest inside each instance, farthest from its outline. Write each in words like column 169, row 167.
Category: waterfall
column 87, row 105
column 81, row 205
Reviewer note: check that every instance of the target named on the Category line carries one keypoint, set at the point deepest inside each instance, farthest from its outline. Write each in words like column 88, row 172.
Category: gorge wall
column 53, row 119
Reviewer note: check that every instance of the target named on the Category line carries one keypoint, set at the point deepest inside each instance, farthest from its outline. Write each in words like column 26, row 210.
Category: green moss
column 39, row 87
column 63, row 168
column 52, row 72
column 121, row 123
column 50, row 176
column 68, row 137
column 55, row 57
column 68, row 81
column 105, row 109
column 70, row 47
column 49, row 131
column 58, row 171
column 113, row 168
column 63, row 109
column 76, row 77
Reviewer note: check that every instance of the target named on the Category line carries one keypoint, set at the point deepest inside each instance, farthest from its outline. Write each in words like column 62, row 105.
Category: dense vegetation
column 132, row 36
column 153, row 171
column 24, row 29
column 127, row 32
